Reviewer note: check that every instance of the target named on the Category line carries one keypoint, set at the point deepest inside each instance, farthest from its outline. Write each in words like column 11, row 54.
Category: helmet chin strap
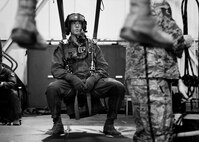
column 81, row 35
column 79, row 39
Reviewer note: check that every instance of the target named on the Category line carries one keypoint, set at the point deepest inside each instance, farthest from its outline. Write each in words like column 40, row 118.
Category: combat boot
column 109, row 128
column 140, row 26
column 24, row 32
column 57, row 128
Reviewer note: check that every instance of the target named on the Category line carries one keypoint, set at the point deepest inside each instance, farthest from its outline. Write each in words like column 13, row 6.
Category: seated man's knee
column 10, row 93
column 119, row 86
column 52, row 88
column 13, row 93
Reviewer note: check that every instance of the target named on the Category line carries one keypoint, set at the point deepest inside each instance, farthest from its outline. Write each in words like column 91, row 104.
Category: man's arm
column 163, row 14
column 101, row 65
column 179, row 43
column 58, row 68
column 10, row 81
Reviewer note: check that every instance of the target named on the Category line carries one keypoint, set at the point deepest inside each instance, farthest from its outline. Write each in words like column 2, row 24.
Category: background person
column 8, row 92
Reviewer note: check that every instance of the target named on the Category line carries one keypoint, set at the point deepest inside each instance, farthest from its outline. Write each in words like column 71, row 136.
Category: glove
column 90, row 83
column 77, row 83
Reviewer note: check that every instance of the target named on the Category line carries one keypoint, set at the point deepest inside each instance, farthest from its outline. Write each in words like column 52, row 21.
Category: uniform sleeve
column 163, row 15
column 58, row 68
column 173, row 29
column 10, row 79
column 101, row 64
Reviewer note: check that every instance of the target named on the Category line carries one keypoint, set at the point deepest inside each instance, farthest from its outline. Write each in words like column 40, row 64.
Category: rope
column 187, row 57
column 185, row 31
column 148, row 96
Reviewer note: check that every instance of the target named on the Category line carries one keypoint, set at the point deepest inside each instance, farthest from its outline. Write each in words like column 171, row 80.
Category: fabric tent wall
column 112, row 16
column 113, row 13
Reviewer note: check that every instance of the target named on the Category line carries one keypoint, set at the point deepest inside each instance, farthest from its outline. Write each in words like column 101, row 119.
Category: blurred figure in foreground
column 141, row 26
column 25, row 32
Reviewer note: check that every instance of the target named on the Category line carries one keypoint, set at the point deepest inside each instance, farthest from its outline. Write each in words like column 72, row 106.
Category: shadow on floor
column 85, row 137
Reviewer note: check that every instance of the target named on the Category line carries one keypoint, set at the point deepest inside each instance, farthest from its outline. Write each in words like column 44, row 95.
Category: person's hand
column 188, row 40
column 183, row 89
column 77, row 83
column 90, row 83
column 1, row 84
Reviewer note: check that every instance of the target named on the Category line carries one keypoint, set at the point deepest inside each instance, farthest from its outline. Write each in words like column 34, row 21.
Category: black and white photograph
column 99, row 70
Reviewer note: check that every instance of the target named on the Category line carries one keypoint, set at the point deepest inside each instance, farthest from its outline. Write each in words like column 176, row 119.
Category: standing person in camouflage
column 79, row 65
column 154, row 119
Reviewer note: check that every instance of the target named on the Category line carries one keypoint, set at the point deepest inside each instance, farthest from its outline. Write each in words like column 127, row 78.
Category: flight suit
column 71, row 59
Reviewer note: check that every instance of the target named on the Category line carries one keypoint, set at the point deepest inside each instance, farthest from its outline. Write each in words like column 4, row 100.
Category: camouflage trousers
column 160, row 113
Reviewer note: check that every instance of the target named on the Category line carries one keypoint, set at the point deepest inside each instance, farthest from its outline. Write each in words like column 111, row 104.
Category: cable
column 184, row 16
column 185, row 31
column 198, row 38
column 148, row 96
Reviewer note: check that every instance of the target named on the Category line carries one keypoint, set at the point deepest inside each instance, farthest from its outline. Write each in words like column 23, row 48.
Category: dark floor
column 89, row 129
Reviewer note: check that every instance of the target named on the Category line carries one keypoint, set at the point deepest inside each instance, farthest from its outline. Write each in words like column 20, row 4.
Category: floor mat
column 89, row 129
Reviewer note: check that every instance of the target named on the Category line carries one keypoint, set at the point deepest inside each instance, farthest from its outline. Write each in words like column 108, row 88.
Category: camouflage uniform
column 162, row 66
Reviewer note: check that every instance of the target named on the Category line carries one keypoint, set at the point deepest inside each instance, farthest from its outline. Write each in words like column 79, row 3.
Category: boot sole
column 111, row 134
column 54, row 134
